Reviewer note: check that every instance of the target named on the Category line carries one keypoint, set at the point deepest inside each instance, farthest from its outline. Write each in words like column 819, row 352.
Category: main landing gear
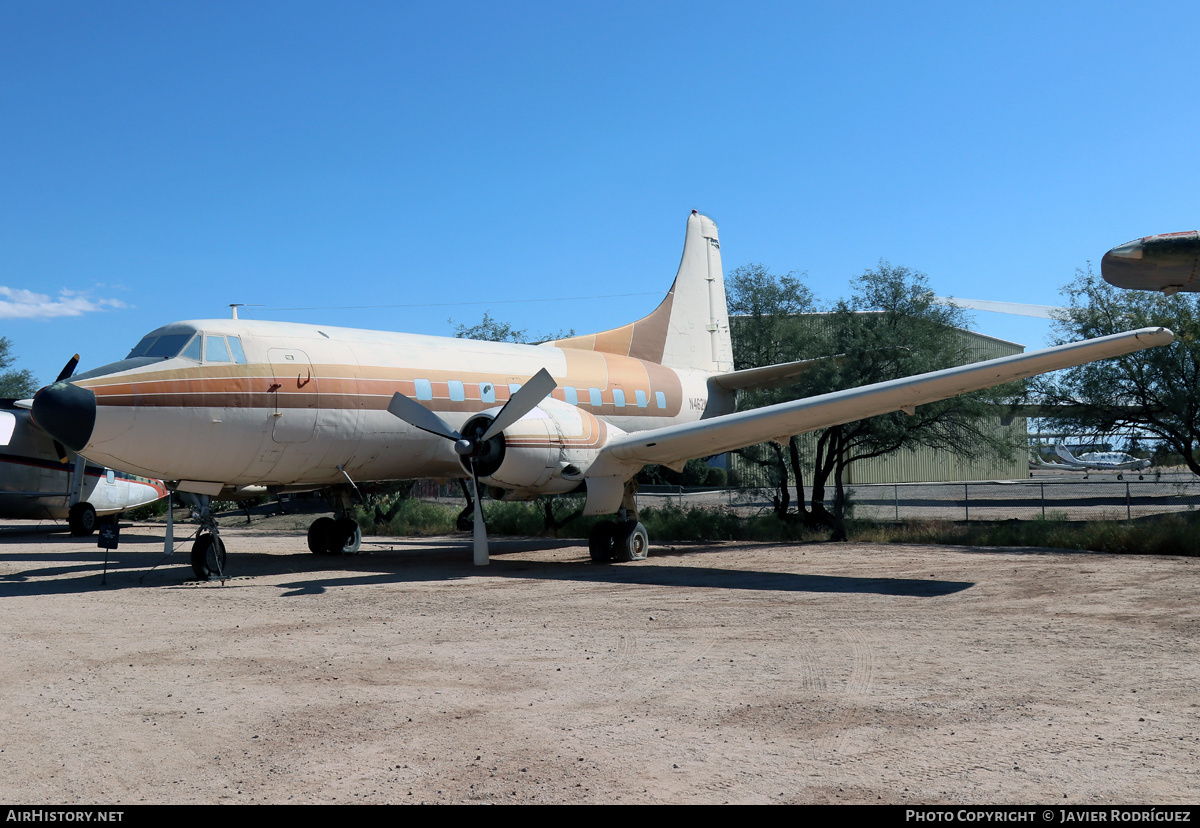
column 82, row 519
column 337, row 535
column 625, row 539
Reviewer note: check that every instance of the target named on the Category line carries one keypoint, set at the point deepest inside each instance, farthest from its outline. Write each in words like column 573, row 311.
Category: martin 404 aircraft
column 222, row 405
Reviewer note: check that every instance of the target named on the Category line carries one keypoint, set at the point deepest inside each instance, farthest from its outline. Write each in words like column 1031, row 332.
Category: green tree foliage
column 493, row 330
column 1156, row 391
column 889, row 328
column 14, row 384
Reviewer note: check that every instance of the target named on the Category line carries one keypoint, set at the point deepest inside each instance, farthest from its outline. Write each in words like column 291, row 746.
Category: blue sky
column 159, row 161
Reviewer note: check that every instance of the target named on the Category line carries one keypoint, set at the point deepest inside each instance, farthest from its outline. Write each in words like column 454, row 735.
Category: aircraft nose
column 67, row 413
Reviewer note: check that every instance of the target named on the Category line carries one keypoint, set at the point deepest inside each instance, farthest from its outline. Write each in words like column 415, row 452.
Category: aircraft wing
column 674, row 445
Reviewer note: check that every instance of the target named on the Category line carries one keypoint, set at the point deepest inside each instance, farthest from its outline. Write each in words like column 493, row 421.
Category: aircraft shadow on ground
column 436, row 561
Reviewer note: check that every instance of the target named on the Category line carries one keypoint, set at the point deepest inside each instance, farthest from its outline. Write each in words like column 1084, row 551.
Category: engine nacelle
column 548, row 451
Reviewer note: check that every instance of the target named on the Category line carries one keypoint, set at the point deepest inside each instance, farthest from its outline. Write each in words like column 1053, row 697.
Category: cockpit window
column 143, row 346
column 167, row 346
column 192, row 351
column 215, row 349
column 235, row 346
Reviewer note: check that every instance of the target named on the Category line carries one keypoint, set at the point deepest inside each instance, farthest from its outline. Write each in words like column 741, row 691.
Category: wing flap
column 675, row 444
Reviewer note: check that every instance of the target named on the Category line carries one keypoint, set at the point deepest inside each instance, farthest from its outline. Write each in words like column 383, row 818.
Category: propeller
column 66, row 373
column 476, row 445
column 68, row 369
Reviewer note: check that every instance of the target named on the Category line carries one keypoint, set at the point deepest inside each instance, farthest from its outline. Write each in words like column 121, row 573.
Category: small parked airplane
column 1169, row 262
column 39, row 483
column 1109, row 461
column 229, row 405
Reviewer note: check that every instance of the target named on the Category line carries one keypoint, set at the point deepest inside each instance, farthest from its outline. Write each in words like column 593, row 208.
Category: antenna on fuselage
column 233, row 306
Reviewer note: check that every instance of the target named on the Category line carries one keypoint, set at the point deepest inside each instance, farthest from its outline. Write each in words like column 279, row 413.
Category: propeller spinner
column 477, row 447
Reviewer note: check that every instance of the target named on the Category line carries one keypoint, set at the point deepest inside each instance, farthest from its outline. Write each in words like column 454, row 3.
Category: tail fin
column 1062, row 452
column 690, row 329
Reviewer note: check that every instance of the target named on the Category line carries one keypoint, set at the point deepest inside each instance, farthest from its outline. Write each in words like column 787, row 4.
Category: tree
column 493, row 330
column 14, row 384
column 890, row 328
column 1156, row 391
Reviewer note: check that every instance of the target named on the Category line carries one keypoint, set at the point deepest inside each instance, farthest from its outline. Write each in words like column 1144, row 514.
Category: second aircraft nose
column 67, row 413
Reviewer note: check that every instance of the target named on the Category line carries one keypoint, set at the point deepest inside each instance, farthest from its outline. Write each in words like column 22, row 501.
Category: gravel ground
column 717, row 673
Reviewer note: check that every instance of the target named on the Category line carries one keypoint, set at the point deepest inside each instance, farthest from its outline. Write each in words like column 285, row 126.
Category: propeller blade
column 521, row 403
column 415, row 414
column 68, row 369
column 480, row 530
column 62, row 452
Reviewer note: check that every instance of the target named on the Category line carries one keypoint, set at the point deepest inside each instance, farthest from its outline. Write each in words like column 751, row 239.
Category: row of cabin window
column 487, row 394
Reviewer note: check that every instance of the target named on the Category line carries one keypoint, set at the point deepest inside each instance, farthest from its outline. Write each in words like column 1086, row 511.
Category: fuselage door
column 295, row 392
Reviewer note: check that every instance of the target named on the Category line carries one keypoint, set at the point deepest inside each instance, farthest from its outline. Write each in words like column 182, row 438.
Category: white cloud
column 17, row 303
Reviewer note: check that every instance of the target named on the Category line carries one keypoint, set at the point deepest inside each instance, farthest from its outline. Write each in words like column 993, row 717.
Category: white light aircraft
column 40, row 482
column 229, row 405
column 1109, row 461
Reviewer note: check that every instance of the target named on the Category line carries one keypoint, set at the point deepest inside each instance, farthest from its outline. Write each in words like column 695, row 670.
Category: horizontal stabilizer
column 768, row 376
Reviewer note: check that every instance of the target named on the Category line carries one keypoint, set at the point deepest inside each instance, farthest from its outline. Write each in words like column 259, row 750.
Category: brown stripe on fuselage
column 371, row 388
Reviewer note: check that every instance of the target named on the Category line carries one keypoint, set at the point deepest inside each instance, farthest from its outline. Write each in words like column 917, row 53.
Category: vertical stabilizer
column 690, row 329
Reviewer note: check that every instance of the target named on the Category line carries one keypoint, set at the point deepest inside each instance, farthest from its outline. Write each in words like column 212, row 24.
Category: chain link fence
column 1102, row 498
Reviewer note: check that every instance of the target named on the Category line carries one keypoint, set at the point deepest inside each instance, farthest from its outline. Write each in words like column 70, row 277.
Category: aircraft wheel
column 601, row 541
column 82, row 519
column 208, row 557
column 320, row 536
column 631, row 543
column 1120, row 477
column 346, row 537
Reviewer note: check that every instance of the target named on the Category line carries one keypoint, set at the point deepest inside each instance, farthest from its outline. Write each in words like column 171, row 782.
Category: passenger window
column 487, row 392
column 110, row 476
column 424, row 389
column 457, row 392
column 571, row 395
column 192, row 351
column 596, row 399
column 235, row 347
column 618, row 398
column 215, row 349
column 661, row 399
column 641, row 398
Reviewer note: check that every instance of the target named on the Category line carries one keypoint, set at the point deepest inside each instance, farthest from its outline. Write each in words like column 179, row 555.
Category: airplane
column 37, row 482
column 1169, row 262
column 233, row 406
column 1117, row 461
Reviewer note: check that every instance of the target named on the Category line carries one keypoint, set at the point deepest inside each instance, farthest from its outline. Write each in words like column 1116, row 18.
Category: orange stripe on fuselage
column 333, row 386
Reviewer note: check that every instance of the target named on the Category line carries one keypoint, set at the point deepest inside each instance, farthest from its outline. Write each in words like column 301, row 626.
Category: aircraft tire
column 82, row 519
column 208, row 557
column 320, row 536
column 601, row 541
column 631, row 542
column 345, row 531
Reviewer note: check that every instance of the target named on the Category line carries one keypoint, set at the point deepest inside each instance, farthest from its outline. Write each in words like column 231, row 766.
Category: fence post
column 896, row 498
column 1128, row 509
column 966, row 503
column 1042, row 486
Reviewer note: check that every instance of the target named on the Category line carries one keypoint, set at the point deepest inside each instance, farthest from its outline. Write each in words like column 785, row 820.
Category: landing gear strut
column 624, row 539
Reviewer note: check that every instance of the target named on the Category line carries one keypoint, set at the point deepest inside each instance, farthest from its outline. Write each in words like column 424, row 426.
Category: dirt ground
column 710, row 673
